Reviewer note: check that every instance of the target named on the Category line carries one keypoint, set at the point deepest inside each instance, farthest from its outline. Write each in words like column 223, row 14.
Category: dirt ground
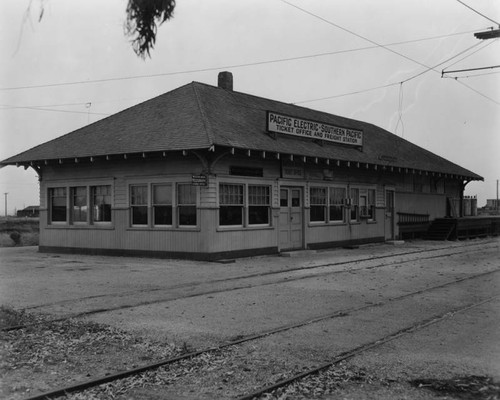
column 143, row 310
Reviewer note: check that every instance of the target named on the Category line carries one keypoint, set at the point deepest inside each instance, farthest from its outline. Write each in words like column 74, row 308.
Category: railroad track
column 340, row 357
column 193, row 286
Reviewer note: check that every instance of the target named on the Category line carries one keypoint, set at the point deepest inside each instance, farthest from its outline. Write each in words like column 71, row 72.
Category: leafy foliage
column 143, row 18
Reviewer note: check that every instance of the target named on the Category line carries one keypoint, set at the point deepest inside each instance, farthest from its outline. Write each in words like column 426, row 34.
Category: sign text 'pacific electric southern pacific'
column 280, row 123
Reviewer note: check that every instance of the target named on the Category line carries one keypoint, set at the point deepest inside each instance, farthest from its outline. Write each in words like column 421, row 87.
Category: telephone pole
column 5, row 194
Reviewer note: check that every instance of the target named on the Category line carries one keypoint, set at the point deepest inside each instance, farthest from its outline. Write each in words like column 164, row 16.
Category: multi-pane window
column 244, row 205
column 79, row 204
column 354, row 204
column 327, row 204
column 231, row 204
column 162, row 204
column 139, row 204
column 101, row 203
column 370, row 211
column 58, row 204
column 318, row 204
column 336, row 202
column 363, row 204
column 87, row 204
column 186, row 204
column 259, row 200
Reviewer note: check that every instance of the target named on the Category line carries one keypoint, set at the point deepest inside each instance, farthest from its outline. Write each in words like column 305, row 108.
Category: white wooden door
column 291, row 225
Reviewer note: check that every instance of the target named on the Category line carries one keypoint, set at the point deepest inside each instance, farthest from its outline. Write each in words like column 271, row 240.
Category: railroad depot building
column 206, row 172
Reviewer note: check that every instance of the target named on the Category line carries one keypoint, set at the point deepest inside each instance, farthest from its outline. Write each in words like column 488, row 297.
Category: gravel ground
column 456, row 358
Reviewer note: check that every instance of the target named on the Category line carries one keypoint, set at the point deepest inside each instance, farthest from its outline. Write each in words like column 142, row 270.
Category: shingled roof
column 199, row 116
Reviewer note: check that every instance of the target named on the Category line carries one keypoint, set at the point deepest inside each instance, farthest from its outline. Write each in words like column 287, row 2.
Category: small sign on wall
column 199, row 180
column 292, row 171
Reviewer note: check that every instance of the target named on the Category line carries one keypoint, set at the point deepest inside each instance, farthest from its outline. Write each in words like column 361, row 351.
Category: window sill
column 81, row 226
column 244, row 228
column 163, row 229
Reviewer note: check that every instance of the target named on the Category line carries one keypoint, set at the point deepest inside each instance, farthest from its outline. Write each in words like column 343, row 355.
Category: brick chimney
column 225, row 80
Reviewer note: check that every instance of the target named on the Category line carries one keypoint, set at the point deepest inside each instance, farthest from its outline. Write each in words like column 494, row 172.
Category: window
column 354, row 204
column 101, row 203
column 231, row 205
column 79, row 204
column 139, row 204
column 318, row 204
column 186, row 204
column 162, row 204
column 57, row 204
column 259, row 201
column 336, row 202
column 365, row 206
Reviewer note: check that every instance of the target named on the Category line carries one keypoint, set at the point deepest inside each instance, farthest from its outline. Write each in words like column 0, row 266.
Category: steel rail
column 341, row 313
column 261, row 274
column 360, row 349
column 247, row 286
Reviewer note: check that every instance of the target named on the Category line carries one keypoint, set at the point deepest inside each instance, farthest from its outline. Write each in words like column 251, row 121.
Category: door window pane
column 284, row 198
column 295, row 198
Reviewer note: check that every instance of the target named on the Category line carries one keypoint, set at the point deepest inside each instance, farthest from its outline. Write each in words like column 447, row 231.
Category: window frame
column 327, row 204
column 50, row 194
column 365, row 203
column 93, row 204
column 157, row 205
column 245, row 204
column 186, row 205
column 341, row 204
column 267, row 203
column 321, row 204
column 70, row 194
column 151, row 204
column 72, row 206
column 229, row 203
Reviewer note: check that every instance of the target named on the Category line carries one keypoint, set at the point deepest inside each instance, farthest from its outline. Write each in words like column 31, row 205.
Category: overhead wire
column 52, row 110
column 486, row 44
column 393, row 83
column 477, row 12
column 381, row 46
column 280, row 60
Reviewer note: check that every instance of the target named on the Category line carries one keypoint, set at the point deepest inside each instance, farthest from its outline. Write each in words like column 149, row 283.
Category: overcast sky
column 315, row 53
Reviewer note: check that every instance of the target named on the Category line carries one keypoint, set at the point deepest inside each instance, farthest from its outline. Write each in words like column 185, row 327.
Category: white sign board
column 280, row 123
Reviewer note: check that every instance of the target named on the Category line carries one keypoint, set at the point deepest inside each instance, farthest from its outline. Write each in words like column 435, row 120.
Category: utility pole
column 5, row 194
column 498, row 205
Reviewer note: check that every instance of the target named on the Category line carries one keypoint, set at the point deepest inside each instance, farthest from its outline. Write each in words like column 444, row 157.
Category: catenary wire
column 228, row 66
column 390, row 84
column 486, row 44
column 378, row 45
column 477, row 12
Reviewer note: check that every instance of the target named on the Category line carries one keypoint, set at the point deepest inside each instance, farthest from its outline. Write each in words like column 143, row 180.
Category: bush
column 16, row 237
